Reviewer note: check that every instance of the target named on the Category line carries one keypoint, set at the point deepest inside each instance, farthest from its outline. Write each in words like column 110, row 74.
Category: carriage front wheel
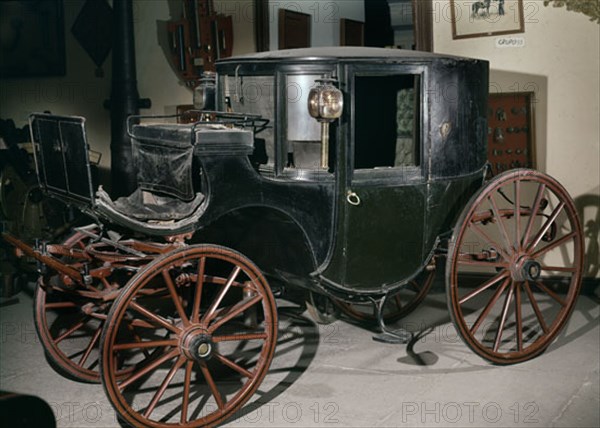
column 207, row 331
column 514, row 266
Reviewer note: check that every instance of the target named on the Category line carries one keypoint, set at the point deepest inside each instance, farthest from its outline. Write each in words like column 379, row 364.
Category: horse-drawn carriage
column 348, row 172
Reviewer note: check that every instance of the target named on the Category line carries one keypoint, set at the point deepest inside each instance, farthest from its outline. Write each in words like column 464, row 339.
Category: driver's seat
column 164, row 202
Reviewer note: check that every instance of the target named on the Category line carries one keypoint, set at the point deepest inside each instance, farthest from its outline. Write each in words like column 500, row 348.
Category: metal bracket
column 399, row 336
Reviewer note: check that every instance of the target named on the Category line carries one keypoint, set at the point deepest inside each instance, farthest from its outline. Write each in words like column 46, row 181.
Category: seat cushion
column 147, row 206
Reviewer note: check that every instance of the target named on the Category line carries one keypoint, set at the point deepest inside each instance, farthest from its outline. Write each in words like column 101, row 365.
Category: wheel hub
column 526, row 269
column 531, row 270
column 204, row 349
column 196, row 344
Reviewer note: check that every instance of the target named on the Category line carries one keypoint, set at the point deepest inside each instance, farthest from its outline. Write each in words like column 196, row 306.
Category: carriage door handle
column 353, row 198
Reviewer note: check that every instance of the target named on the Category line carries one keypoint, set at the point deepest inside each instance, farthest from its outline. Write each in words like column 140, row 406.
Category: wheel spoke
column 536, row 308
column 235, row 310
column 136, row 336
column 517, row 204
column 233, row 365
column 171, row 287
column 147, row 369
column 185, row 402
column 398, row 299
column 61, row 305
column 145, row 345
column 507, row 302
column 546, row 226
column 550, row 293
column 481, row 263
column 240, row 337
column 484, row 287
column 559, row 269
column 72, row 330
column 534, row 213
column 91, row 345
column 487, row 238
column 518, row 318
column 211, row 383
column 499, row 221
column 211, row 311
column 141, row 323
column 163, row 386
column 151, row 316
column 489, row 306
column 552, row 246
column 198, row 291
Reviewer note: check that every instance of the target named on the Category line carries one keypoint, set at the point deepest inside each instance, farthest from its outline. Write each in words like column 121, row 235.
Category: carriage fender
column 271, row 238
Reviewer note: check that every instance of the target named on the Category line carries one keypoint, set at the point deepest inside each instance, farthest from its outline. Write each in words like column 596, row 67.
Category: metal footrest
column 399, row 336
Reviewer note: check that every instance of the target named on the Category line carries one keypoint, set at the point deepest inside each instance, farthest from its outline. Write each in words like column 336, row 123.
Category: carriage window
column 254, row 95
column 387, row 111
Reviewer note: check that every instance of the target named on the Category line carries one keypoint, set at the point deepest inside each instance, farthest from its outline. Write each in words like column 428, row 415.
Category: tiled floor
column 336, row 376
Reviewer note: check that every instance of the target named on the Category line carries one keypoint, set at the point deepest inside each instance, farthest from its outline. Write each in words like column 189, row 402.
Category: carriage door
column 385, row 188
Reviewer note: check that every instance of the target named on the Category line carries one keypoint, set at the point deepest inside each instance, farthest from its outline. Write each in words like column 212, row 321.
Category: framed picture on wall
column 480, row 18
column 33, row 38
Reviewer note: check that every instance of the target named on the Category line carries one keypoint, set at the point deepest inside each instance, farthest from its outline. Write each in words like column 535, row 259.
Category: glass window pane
column 303, row 142
column 254, row 95
column 387, row 121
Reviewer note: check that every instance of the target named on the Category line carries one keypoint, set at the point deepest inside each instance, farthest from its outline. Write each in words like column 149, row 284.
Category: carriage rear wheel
column 514, row 267
column 398, row 305
column 200, row 356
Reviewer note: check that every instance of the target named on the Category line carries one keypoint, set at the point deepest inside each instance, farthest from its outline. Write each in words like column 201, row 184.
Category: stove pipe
column 124, row 100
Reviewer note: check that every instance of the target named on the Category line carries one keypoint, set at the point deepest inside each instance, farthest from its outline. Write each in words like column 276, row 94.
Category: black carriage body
column 296, row 222
column 405, row 156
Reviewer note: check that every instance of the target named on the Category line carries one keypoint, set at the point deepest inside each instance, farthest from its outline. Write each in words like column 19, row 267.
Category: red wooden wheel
column 69, row 317
column 208, row 355
column 514, row 267
column 397, row 306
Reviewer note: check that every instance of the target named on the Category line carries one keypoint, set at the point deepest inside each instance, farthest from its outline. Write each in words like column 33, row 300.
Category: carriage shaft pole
column 44, row 258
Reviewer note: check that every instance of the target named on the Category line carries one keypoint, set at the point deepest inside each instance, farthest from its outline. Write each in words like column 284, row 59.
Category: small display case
column 511, row 131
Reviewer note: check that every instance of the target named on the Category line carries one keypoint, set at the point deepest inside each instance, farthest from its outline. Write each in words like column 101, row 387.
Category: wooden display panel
column 511, row 131
column 294, row 29
column 352, row 33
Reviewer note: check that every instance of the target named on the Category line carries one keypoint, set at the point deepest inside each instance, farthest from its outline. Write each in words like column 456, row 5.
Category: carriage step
column 399, row 336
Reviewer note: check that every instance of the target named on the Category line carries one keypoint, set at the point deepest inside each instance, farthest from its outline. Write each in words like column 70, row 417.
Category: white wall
column 81, row 93
column 561, row 63
column 325, row 23
column 156, row 78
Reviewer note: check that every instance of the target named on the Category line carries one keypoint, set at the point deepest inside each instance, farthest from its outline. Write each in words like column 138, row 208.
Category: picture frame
column 482, row 18
column 34, row 39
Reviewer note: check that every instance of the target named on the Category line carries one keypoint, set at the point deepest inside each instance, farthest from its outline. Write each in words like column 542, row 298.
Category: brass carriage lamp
column 326, row 104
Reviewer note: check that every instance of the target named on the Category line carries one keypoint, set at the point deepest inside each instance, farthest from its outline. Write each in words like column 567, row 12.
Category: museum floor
column 336, row 375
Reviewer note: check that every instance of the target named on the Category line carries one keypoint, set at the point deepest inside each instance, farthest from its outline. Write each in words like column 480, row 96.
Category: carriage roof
column 338, row 53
